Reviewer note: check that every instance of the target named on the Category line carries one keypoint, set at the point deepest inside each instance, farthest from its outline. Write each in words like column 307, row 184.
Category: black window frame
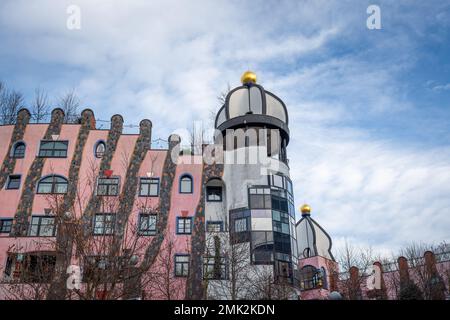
column 259, row 194
column 54, row 184
column 19, row 153
column 183, row 230
column 53, row 152
column 40, row 226
column 10, row 179
column 148, row 231
column 214, row 223
column 108, row 193
column 219, row 192
column 186, row 176
column 97, row 153
column 184, row 265
column 103, row 228
column 149, row 182
column 9, row 225
column 211, row 261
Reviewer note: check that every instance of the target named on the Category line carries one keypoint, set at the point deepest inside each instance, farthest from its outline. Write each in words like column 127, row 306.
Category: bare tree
column 40, row 108
column 70, row 104
column 10, row 103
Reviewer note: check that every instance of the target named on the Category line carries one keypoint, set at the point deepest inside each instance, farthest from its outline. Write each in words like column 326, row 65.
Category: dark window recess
column 186, row 184
column 39, row 268
column 262, row 247
column 260, row 198
column 181, row 265
column 100, row 149
column 214, row 226
column 52, row 184
column 241, row 225
column 13, row 182
column 213, row 194
column 53, row 149
column 282, row 242
column 108, row 186
column 184, row 225
column 310, row 278
column 147, row 224
column 42, row 226
column 215, row 268
column 19, row 150
column 104, row 223
column 280, row 204
column 149, row 187
column 6, row 225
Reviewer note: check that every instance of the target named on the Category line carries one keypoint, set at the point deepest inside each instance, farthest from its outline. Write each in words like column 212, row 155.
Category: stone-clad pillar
column 435, row 287
column 194, row 285
column 64, row 239
column 23, row 212
column 9, row 162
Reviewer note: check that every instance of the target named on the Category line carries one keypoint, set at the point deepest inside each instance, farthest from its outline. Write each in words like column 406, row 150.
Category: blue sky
column 369, row 109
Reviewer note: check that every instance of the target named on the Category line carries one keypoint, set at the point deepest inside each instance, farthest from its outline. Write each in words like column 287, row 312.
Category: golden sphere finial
column 248, row 77
column 305, row 209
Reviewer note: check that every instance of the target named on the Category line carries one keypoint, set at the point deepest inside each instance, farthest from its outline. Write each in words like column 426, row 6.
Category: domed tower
column 317, row 266
column 259, row 209
column 250, row 106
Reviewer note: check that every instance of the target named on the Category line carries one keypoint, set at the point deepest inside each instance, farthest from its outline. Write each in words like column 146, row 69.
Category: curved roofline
column 311, row 221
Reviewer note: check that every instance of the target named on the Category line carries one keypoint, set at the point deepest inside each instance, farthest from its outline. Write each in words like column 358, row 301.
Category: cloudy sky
column 369, row 109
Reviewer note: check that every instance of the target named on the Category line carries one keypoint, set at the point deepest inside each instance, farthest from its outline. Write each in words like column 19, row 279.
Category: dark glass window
column 104, row 223
column 184, row 225
column 100, row 149
column 186, row 185
column 181, row 265
column 39, row 267
column 19, row 150
column 52, row 184
column 241, row 225
column 310, row 278
column 282, row 242
column 215, row 268
column 53, row 149
column 214, row 226
column 108, row 186
column 42, row 226
column 213, row 194
column 6, row 225
column 147, row 224
column 149, row 187
column 260, row 198
column 262, row 247
column 13, row 182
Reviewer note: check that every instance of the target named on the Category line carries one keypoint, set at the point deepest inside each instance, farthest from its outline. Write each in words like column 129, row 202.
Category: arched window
column 18, row 150
column 52, row 184
column 186, row 185
column 100, row 149
column 310, row 278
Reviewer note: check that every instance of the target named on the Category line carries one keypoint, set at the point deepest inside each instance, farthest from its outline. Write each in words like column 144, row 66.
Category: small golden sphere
column 305, row 208
column 248, row 77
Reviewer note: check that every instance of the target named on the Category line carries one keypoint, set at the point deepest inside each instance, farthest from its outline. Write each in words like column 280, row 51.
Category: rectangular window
column 104, row 223
column 184, row 225
column 42, row 226
column 181, row 265
column 215, row 269
column 259, row 198
column 53, row 149
column 147, row 224
column 241, row 225
column 149, row 187
column 6, row 225
column 108, row 186
column 13, row 182
column 214, row 194
column 214, row 226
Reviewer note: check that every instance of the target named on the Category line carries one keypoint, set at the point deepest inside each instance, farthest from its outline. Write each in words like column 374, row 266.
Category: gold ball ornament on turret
column 305, row 209
column 248, row 77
